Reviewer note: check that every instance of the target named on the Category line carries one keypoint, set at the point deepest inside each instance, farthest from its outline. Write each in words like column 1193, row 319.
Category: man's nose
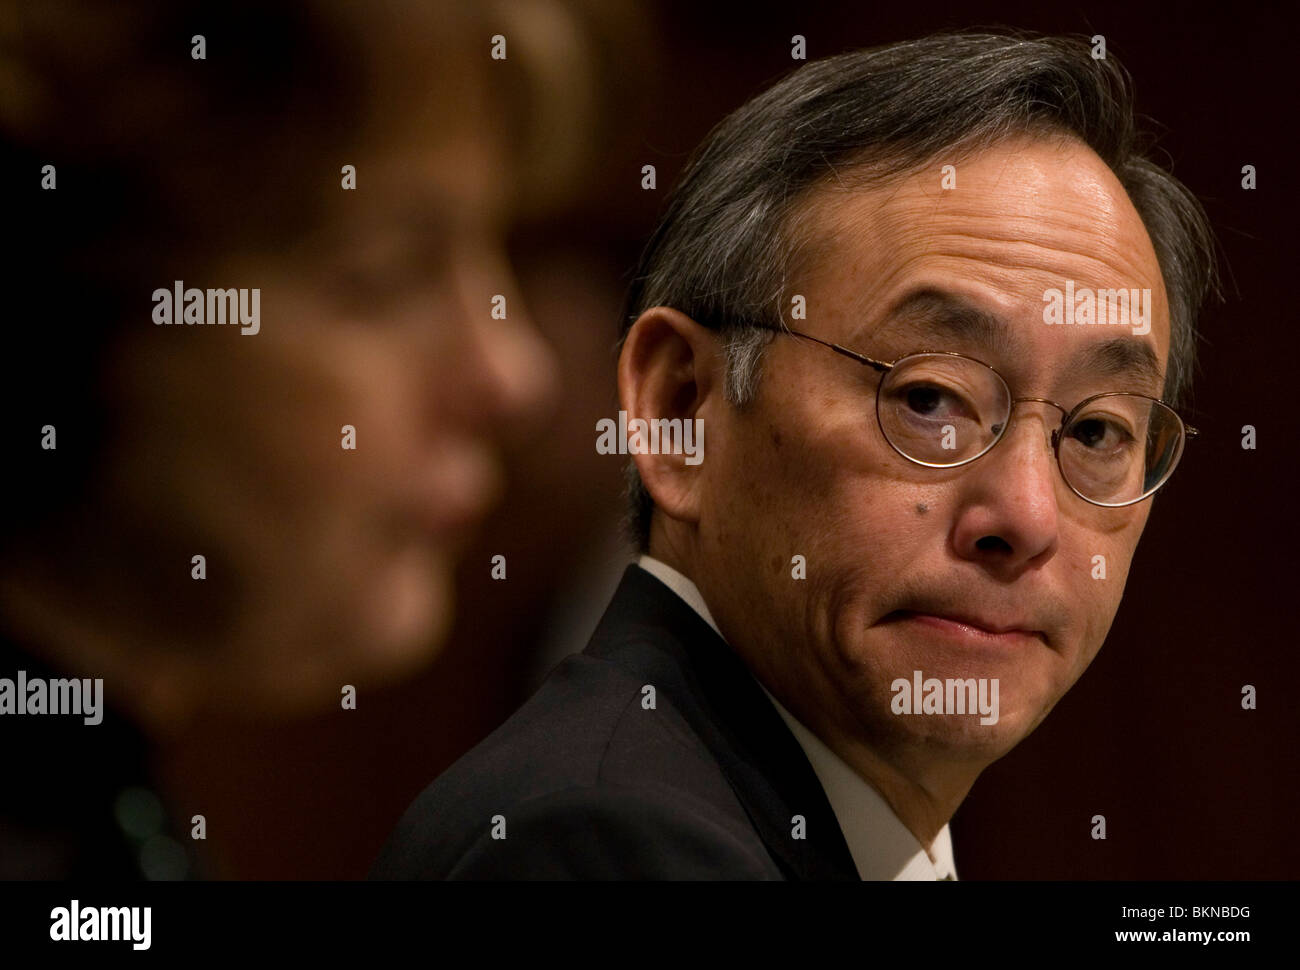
column 1009, row 516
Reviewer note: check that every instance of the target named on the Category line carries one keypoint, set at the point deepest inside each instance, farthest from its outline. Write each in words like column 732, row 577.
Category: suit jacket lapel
column 651, row 627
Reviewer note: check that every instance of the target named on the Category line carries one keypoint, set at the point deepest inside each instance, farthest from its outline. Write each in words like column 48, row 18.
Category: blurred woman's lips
column 458, row 487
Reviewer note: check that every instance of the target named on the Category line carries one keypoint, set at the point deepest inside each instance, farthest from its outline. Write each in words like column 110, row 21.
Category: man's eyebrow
column 938, row 318
column 1125, row 357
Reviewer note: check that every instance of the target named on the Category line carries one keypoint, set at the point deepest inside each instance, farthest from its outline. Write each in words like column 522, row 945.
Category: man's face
column 890, row 545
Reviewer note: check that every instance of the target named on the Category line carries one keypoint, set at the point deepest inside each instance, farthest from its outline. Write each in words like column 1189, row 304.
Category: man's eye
column 1101, row 434
column 929, row 400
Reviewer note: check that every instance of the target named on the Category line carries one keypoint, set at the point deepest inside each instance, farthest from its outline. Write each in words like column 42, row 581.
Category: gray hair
column 731, row 238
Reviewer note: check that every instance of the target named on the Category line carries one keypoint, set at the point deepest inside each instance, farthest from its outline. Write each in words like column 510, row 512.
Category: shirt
column 883, row 848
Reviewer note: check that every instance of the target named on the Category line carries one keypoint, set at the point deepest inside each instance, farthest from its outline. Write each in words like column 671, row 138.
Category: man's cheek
column 1108, row 577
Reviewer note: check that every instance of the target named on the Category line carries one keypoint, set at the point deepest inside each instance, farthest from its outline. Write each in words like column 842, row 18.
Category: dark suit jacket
column 593, row 785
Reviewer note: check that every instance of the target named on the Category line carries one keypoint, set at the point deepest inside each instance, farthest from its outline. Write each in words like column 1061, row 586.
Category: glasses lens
column 1120, row 448
column 939, row 409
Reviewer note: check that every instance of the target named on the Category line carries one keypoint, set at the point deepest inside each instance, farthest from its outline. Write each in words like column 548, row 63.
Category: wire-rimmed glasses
column 943, row 410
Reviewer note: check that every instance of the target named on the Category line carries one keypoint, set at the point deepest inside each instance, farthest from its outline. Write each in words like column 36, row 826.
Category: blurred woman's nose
column 505, row 370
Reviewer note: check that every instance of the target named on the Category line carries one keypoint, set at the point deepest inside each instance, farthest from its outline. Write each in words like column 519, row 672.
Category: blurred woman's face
column 339, row 562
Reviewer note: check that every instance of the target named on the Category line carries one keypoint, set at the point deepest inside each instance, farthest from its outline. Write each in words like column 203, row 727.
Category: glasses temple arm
column 860, row 358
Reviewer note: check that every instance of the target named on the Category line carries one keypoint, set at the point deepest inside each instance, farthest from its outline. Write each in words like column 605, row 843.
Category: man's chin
column 974, row 737
column 964, row 738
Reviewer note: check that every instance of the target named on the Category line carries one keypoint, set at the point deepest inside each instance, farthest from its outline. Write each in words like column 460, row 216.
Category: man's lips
column 970, row 626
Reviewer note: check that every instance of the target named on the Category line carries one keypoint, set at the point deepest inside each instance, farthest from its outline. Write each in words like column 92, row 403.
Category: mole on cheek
column 922, row 508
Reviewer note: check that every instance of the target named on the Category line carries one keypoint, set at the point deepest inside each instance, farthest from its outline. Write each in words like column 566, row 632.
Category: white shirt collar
column 882, row 847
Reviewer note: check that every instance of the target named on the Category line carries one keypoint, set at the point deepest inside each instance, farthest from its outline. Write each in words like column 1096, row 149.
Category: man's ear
column 670, row 368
